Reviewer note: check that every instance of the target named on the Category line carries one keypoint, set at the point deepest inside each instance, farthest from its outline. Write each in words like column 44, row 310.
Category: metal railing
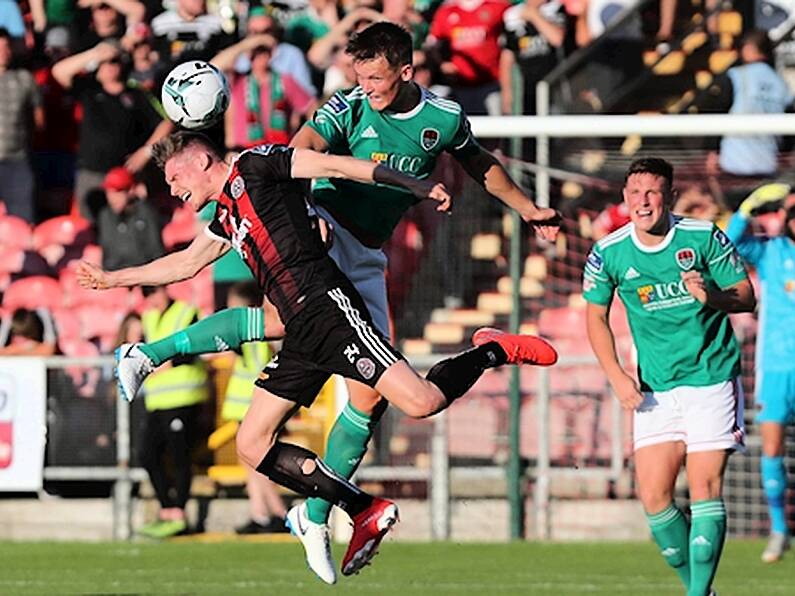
column 439, row 475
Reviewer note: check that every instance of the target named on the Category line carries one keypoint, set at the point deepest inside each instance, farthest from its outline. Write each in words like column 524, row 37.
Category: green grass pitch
column 401, row 569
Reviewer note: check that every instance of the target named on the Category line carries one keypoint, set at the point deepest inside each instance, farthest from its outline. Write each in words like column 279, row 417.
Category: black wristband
column 386, row 175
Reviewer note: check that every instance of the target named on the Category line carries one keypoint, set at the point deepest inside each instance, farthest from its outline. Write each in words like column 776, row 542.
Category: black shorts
column 333, row 334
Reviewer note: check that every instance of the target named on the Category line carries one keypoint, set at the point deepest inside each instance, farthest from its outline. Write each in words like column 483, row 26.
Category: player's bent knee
column 252, row 447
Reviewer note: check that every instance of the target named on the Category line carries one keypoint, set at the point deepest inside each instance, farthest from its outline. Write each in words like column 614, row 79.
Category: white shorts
column 365, row 267
column 705, row 418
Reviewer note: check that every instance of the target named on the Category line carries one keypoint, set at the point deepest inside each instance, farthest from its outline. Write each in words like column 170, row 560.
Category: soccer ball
column 195, row 94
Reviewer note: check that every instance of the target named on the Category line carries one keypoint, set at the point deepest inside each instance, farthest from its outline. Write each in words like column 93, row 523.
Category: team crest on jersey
column 686, row 258
column 429, row 138
column 366, row 367
column 237, row 187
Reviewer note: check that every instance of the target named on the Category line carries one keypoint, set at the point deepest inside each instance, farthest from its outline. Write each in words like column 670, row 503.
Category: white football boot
column 316, row 541
column 132, row 367
column 776, row 546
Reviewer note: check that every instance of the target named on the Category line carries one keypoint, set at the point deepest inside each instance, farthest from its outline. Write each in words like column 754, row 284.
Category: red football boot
column 369, row 528
column 520, row 349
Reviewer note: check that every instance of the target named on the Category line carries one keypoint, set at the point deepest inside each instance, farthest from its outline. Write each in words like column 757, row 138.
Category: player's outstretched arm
column 171, row 268
column 604, row 347
column 487, row 171
column 311, row 164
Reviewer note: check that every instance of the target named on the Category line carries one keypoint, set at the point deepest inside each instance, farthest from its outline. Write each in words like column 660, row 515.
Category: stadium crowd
column 81, row 84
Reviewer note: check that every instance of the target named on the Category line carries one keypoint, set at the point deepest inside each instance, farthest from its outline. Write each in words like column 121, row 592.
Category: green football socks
column 670, row 531
column 221, row 331
column 347, row 444
column 707, row 534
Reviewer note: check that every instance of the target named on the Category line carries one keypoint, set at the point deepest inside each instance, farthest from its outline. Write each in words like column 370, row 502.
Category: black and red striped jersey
column 264, row 213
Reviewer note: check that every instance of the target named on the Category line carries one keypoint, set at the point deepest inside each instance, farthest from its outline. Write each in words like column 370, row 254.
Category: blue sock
column 774, row 481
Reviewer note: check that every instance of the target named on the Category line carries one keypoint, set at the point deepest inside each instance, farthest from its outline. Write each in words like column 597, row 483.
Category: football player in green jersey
column 389, row 119
column 678, row 279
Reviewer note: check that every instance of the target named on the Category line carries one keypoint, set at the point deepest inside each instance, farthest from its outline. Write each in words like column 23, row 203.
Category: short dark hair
column 385, row 39
column 149, row 290
column 175, row 143
column 247, row 291
column 651, row 165
column 760, row 40
column 27, row 323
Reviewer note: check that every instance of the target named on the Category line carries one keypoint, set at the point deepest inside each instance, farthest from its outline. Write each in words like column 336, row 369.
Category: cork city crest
column 429, row 138
column 686, row 258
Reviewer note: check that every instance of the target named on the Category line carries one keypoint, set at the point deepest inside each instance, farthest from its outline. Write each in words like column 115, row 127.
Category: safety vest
column 178, row 386
column 254, row 357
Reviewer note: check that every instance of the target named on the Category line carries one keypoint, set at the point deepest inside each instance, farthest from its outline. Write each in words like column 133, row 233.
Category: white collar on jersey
column 413, row 111
column 657, row 247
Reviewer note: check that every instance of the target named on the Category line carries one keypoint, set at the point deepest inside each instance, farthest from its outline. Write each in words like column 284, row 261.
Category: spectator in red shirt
column 465, row 34
column 609, row 220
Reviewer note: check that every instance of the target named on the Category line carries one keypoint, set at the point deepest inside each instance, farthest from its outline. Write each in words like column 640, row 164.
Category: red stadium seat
column 67, row 324
column 474, row 426
column 78, row 348
column 562, row 322
column 74, row 295
column 197, row 291
column 12, row 259
column 63, row 230
column 178, row 231
column 33, row 292
column 15, row 231
column 93, row 254
column 101, row 322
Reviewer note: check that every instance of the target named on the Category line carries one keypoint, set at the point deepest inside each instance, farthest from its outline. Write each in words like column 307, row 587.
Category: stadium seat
column 67, row 324
column 64, row 230
column 33, row 292
column 15, row 231
column 74, row 295
column 562, row 322
column 730, row 22
column 78, row 348
column 474, row 425
column 181, row 229
column 93, row 254
column 101, row 322
column 583, row 379
column 197, row 291
column 12, row 259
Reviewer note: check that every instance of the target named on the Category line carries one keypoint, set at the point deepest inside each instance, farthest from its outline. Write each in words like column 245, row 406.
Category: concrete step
column 468, row 317
column 444, row 333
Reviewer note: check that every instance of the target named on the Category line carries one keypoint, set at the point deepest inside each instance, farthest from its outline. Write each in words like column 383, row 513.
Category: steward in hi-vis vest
column 183, row 384
column 253, row 358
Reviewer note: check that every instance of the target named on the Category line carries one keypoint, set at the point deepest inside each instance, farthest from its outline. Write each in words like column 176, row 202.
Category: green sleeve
column 332, row 120
column 207, row 212
column 463, row 142
column 597, row 284
column 724, row 264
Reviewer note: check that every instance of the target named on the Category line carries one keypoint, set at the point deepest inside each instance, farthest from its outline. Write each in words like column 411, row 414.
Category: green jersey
column 680, row 341
column 408, row 142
